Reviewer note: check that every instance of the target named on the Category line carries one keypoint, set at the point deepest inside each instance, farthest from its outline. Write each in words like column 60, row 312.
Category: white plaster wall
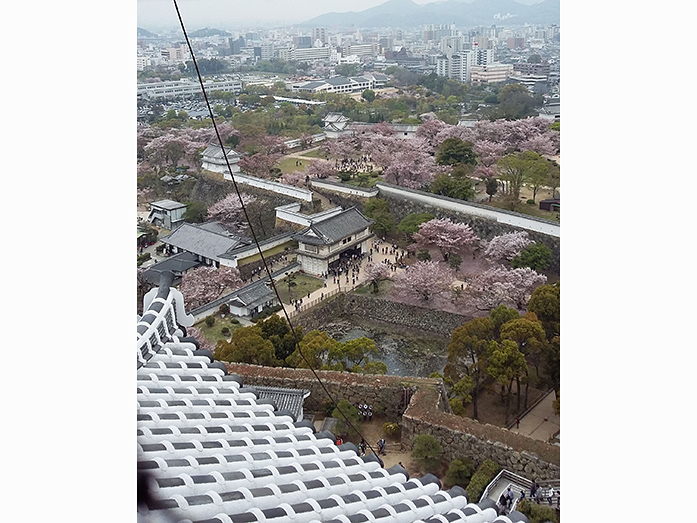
column 550, row 229
column 280, row 188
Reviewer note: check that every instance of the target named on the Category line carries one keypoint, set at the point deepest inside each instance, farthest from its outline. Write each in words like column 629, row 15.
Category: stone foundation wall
column 427, row 412
column 378, row 309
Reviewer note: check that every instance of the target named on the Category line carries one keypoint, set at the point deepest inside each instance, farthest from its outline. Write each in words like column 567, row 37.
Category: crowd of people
column 361, row 165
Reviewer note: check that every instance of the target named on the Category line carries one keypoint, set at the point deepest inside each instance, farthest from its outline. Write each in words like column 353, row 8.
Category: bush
column 531, row 202
column 537, row 513
column 266, row 313
column 235, row 321
column 160, row 248
column 390, row 428
column 427, row 451
column 459, row 473
column 537, row 256
column 480, row 479
column 210, row 320
column 344, row 176
column 225, row 331
column 423, row 256
column 225, row 308
column 143, row 258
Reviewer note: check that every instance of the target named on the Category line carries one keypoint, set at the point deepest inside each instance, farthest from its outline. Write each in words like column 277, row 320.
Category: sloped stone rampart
column 427, row 412
column 378, row 309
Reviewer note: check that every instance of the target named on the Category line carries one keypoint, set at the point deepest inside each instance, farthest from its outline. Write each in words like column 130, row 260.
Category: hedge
column 480, row 479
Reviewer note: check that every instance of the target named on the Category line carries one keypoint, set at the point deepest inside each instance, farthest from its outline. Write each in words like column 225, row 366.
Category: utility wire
column 256, row 241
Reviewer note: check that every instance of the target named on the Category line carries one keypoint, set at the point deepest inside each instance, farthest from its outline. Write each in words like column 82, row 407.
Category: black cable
column 254, row 236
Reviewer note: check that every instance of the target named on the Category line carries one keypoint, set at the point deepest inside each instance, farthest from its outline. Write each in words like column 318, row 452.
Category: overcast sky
column 221, row 14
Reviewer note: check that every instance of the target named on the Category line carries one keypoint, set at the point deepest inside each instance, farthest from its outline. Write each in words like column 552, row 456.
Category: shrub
column 225, row 308
column 423, row 256
column 427, row 451
column 480, row 479
column 459, row 473
column 344, row 176
column 210, row 320
column 266, row 313
column 390, row 428
column 235, row 321
column 537, row 513
column 537, row 256
column 531, row 202
column 225, row 331
column 160, row 248
column 143, row 258
column 353, row 416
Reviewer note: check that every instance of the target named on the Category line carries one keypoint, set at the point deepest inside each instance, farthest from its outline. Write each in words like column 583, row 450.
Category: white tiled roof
column 211, row 451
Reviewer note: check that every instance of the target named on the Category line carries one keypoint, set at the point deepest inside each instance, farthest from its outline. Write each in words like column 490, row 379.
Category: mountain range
column 462, row 13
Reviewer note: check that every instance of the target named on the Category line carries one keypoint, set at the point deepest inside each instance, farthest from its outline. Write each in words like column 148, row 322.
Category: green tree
column 506, row 363
column 410, row 223
column 537, row 256
column 349, row 418
column 453, row 150
column 196, row 212
column 467, row 353
column 368, row 95
column 351, row 355
column 312, row 351
column 378, row 209
column 529, row 336
column 428, row 451
column 546, row 304
column 515, row 102
column 460, row 188
column 520, row 168
column 459, row 473
column 501, row 315
column 492, row 186
column 247, row 346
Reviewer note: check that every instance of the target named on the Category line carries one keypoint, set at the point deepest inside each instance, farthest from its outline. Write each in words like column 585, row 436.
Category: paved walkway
column 341, row 285
column 541, row 422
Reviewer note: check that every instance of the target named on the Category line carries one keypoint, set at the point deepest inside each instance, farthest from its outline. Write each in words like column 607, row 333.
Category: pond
column 404, row 354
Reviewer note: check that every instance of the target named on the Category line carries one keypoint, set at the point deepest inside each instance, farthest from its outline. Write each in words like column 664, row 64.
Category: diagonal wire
column 256, row 241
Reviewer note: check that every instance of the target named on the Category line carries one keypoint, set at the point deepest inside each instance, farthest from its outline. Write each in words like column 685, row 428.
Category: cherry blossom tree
column 488, row 153
column 348, row 147
column 383, row 128
column 412, row 168
column 259, row 164
column 424, row 281
column 429, row 130
column 501, row 286
column 321, row 169
column 229, row 209
column 295, row 178
column 376, row 272
column 507, row 246
column 205, row 284
column 447, row 236
column 541, row 144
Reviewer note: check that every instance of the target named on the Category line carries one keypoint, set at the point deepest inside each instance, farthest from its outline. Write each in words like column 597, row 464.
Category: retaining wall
column 427, row 412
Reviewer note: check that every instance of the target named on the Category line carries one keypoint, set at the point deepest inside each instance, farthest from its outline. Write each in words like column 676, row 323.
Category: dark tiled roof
column 178, row 264
column 211, row 450
column 285, row 399
column 335, row 228
column 202, row 241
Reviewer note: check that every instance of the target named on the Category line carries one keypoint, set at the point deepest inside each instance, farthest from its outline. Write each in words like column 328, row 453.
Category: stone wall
column 378, row 309
column 422, row 408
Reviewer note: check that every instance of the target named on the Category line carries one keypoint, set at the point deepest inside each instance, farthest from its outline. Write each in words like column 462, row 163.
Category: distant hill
column 144, row 33
column 201, row 33
column 405, row 13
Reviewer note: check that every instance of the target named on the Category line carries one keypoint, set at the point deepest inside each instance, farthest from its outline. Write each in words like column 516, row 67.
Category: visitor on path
column 551, row 496
column 538, row 495
column 381, row 447
column 510, row 495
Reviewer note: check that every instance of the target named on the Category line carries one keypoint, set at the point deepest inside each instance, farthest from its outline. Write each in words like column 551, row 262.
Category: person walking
column 551, row 496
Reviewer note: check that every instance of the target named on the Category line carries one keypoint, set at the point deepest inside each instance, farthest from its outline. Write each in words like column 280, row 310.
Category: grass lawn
column 304, row 284
column 287, row 165
column 316, row 153
column 213, row 334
